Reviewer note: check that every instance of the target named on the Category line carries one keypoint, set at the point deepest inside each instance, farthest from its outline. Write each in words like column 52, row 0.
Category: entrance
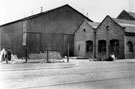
column 114, row 47
column 33, row 42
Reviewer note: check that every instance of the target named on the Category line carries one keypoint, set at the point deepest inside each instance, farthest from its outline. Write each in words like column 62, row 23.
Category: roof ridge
column 131, row 13
column 42, row 13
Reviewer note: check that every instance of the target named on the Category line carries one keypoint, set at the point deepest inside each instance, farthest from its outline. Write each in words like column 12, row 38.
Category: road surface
column 83, row 74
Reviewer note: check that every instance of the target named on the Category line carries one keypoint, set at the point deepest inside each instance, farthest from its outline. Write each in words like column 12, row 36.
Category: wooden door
column 33, row 42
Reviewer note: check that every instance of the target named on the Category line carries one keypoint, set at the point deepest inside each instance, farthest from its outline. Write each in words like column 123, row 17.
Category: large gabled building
column 51, row 30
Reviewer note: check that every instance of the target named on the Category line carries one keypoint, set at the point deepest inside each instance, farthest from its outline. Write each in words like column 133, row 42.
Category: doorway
column 33, row 42
column 114, row 47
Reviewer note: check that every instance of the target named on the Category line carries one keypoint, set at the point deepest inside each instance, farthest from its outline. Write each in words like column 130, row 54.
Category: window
column 130, row 46
column 84, row 30
column 101, row 46
column 107, row 27
column 89, row 46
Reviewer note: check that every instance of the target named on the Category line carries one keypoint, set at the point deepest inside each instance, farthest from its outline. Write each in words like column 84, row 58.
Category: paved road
column 85, row 75
column 115, row 83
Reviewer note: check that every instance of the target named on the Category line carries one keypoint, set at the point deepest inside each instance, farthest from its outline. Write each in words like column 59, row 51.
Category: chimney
column 41, row 9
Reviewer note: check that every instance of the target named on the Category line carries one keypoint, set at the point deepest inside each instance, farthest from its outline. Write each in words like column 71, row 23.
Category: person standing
column 9, row 52
column 2, row 55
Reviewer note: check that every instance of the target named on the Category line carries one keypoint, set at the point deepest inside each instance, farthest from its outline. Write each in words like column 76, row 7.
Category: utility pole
column 47, row 55
column 68, row 53
column 107, row 41
column 94, row 43
column 41, row 9
column 26, row 54
column 24, row 42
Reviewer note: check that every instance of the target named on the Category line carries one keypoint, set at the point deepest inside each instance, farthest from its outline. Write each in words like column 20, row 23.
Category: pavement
column 19, row 65
column 126, row 60
column 67, row 74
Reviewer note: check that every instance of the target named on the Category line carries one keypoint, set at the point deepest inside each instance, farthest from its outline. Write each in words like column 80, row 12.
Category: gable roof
column 91, row 24
column 79, row 26
column 130, row 14
column 111, row 19
column 127, row 25
column 42, row 13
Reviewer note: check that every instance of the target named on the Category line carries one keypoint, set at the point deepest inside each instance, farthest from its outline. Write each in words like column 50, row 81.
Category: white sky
column 11, row 10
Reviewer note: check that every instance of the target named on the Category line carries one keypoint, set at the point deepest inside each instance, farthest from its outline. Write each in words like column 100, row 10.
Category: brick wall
column 114, row 32
column 83, row 34
column 127, row 53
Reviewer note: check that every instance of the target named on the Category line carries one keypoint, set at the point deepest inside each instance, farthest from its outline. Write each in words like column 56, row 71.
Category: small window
column 84, row 30
column 107, row 27
column 89, row 46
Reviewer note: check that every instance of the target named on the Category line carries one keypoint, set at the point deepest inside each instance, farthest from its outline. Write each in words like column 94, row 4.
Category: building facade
column 52, row 30
column 115, row 36
column 84, row 39
column 112, row 35
column 109, row 39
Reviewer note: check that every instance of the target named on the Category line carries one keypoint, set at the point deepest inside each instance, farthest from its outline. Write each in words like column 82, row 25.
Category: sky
column 11, row 10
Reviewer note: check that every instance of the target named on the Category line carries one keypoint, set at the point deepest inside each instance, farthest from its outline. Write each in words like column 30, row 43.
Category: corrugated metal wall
column 52, row 30
column 11, row 37
column 41, row 42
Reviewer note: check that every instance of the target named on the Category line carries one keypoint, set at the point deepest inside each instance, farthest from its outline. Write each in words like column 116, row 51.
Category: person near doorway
column 9, row 52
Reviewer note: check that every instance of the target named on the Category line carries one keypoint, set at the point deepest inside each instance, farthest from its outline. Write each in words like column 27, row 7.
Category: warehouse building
column 51, row 30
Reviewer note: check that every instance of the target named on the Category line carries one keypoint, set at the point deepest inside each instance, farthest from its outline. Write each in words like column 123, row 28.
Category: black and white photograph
column 67, row 44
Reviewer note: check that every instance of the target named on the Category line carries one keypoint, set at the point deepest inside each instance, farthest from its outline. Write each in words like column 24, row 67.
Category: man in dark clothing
column 9, row 54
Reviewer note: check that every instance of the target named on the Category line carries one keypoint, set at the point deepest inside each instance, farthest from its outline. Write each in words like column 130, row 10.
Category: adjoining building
column 84, row 39
column 51, row 30
column 126, row 15
column 115, row 36
column 112, row 35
